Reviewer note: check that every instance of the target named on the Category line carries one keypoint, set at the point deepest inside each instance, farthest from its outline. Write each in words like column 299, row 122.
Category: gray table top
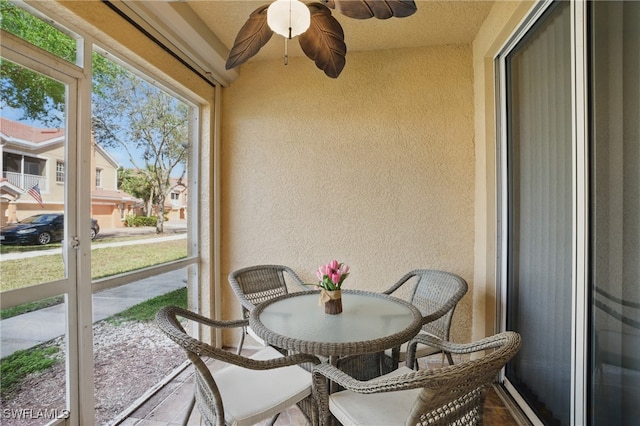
column 369, row 322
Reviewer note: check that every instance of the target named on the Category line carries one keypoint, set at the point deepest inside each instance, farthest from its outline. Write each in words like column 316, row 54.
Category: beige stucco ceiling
column 437, row 22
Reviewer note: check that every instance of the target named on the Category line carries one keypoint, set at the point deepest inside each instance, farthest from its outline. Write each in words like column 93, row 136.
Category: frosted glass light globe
column 289, row 18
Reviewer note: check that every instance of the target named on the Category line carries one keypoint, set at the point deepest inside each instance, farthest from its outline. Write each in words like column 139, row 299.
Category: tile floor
column 168, row 406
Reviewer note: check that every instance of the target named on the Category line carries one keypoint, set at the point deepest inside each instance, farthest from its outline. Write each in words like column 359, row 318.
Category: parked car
column 39, row 229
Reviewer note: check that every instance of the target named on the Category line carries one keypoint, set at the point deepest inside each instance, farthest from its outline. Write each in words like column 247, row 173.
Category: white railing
column 26, row 181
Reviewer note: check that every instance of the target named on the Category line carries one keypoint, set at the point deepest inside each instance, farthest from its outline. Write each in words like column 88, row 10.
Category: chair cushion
column 250, row 396
column 385, row 408
column 255, row 337
column 421, row 350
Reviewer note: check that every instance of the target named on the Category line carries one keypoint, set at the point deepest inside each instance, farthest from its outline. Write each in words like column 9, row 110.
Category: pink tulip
column 332, row 275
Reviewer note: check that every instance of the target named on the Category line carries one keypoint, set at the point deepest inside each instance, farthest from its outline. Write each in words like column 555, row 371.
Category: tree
column 152, row 128
column 129, row 113
column 135, row 184
column 40, row 98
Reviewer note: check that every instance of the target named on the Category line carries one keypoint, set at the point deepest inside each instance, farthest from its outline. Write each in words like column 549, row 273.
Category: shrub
column 136, row 221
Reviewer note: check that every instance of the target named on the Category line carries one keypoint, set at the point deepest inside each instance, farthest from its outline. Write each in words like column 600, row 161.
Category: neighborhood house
column 33, row 175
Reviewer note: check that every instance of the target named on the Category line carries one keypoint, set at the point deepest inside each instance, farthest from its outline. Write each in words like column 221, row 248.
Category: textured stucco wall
column 375, row 168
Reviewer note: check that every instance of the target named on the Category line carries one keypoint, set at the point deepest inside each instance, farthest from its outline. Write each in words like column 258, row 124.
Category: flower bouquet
column 331, row 276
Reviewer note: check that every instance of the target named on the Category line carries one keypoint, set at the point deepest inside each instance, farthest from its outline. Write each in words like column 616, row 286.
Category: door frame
column 580, row 203
column 76, row 247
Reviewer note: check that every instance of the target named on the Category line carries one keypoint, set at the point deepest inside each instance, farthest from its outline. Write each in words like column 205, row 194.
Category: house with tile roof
column 33, row 156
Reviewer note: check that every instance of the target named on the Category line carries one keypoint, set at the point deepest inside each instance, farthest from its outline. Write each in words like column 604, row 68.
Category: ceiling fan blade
column 254, row 34
column 323, row 42
column 381, row 9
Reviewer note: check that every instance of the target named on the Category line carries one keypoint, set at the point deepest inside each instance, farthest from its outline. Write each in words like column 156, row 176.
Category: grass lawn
column 104, row 262
column 30, row 307
column 146, row 311
column 19, row 364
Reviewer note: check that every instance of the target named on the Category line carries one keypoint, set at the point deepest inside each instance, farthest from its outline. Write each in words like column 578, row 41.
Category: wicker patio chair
column 435, row 294
column 256, row 284
column 248, row 390
column 452, row 395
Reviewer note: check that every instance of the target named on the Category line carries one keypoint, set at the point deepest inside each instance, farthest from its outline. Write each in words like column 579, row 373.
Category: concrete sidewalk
column 33, row 328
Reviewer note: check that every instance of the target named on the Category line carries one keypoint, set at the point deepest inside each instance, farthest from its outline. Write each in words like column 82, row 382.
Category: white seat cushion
column 255, row 337
column 250, row 396
column 386, row 408
column 421, row 350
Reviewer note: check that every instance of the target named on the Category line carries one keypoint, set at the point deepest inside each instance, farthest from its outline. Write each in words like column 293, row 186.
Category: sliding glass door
column 570, row 167
column 615, row 214
column 539, row 261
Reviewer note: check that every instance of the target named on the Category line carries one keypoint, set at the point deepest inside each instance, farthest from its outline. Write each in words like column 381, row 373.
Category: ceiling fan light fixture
column 322, row 42
column 289, row 18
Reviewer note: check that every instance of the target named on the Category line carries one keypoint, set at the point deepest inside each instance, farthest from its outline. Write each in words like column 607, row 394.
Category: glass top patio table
column 369, row 322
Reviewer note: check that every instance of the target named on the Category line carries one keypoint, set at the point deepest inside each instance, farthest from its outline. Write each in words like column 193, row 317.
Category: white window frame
column 98, row 177
column 192, row 237
column 60, row 171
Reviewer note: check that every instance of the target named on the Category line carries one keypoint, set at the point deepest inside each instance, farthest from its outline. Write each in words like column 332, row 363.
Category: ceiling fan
column 320, row 35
